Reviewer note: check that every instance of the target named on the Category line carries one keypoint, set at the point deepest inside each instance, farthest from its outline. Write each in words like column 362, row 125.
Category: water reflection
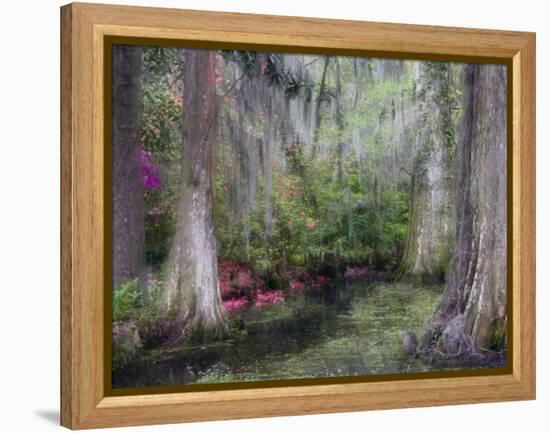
column 340, row 330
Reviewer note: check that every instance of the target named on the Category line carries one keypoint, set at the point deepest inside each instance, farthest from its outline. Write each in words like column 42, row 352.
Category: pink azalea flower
column 269, row 297
column 235, row 304
column 297, row 285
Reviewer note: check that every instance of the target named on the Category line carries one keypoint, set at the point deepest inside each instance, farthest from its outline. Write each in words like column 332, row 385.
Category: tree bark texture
column 430, row 238
column 192, row 289
column 127, row 178
column 472, row 313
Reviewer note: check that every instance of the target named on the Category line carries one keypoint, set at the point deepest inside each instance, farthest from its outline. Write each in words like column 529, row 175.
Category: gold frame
column 86, row 31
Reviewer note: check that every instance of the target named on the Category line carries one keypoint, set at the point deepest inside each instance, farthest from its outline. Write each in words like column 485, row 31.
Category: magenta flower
column 297, row 285
column 153, row 182
column 269, row 297
column 235, row 304
column 151, row 177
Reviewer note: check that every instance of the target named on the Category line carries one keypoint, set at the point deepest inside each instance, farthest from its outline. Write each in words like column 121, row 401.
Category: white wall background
column 29, row 215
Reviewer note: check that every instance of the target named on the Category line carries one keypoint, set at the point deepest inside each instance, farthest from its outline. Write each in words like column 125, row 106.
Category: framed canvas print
column 271, row 216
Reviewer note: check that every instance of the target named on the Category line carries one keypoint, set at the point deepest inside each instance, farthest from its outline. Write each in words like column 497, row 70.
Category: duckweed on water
column 362, row 340
column 346, row 330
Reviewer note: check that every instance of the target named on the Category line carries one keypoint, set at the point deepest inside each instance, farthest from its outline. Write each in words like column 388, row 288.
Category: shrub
column 125, row 300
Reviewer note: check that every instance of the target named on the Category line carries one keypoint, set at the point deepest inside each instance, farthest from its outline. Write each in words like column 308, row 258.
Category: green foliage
column 161, row 216
column 317, row 220
column 339, row 200
column 161, row 132
column 162, row 103
column 125, row 300
column 327, row 212
column 333, row 209
column 144, row 311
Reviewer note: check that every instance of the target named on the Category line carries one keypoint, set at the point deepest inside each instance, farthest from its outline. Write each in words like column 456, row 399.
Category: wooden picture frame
column 85, row 28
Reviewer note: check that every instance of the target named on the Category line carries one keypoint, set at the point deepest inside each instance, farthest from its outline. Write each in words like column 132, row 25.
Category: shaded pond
column 348, row 329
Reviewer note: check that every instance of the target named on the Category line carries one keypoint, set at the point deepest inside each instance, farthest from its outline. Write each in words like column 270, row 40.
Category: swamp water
column 346, row 330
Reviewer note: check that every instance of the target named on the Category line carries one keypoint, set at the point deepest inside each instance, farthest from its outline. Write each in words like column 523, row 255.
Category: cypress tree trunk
column 472, row 313
column 192, row 288
column 429, row 243
column 128, row 211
